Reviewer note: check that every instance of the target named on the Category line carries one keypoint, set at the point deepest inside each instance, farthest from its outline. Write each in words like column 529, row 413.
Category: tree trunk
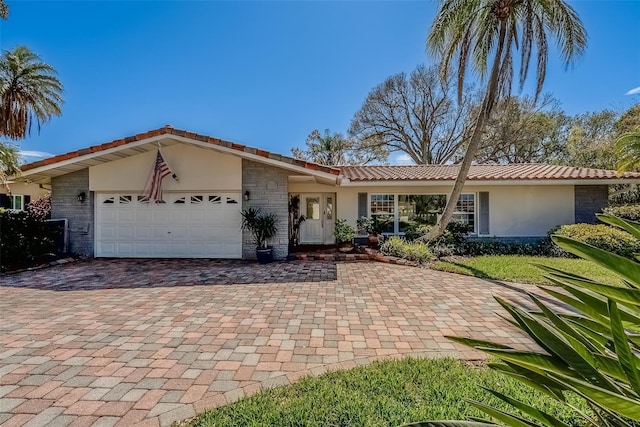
column 474, row 141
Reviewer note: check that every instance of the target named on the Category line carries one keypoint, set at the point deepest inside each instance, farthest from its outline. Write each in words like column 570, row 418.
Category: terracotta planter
column 345, row 247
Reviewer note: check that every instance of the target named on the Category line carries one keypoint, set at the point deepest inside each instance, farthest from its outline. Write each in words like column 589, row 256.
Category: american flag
column 160, row 170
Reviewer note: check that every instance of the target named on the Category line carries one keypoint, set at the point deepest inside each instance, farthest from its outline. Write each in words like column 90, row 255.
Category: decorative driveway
column 121, row 342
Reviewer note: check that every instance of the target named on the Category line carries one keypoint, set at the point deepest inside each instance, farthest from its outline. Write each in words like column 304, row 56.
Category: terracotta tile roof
column 169, row 130
column 519, row 172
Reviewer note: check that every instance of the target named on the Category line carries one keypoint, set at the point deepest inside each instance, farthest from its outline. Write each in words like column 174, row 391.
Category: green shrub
column 411, row 251
column 488, row 246
column 25, row 240
column 628, row 212
column 454, row 242
column 343, row 232
column 447, row 244
column 601, row 236
column 454, row 234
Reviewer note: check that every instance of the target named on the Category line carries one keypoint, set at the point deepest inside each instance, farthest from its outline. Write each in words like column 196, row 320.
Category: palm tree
column 4, row 10
column 333, row 149
column 29, row 92
column 471, row 31
column 8, row 162
column 628, row 151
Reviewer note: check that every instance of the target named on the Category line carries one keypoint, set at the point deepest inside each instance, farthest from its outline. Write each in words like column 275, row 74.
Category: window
column 312, row 207
column 466, row 210
column 17, row 202
column 329, row 211
column 417, row 209
column 383, row 211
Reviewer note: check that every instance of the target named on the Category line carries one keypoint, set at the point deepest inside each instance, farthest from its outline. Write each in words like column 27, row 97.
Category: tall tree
column 416, row 114
column 628, row 121
column 628, row 142
column 333, row 149
column 523, row 130
column 628, row 151
column 4, row 10
column 591, row 140
column 9, row 162
column 471, row 31
column 29, row 92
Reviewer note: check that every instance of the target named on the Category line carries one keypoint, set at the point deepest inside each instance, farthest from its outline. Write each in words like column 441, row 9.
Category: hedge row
column 25, row 240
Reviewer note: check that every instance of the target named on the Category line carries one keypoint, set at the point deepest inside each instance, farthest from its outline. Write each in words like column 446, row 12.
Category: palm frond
column 30, row 92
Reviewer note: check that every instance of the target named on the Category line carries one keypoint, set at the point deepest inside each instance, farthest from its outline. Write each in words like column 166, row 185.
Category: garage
column 184, row 225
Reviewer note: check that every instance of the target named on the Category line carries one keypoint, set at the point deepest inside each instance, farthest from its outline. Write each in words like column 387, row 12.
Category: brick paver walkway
column 120, row 342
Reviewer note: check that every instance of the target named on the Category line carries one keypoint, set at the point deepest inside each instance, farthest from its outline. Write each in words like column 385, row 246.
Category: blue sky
column 266, row 73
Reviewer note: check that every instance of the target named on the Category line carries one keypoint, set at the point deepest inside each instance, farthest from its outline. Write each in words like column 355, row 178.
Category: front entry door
column 319, row 212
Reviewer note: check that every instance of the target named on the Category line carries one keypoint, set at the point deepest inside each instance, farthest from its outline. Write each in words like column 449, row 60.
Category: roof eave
column 43, row 174
column 493, row 182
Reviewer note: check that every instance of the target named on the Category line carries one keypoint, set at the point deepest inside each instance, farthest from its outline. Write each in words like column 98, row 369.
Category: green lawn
column 515, row 268
column 387, row 393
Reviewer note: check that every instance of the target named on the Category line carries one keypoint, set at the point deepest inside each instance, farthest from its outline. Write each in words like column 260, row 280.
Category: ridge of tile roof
column 513, row 171
column 169, row 131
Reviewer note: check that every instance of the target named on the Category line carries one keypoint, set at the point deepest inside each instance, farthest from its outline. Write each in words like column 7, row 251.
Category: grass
column 386, row 393
column 513, row 268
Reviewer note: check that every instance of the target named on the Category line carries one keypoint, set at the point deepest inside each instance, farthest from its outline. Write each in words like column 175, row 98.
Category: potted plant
column 263, row 228
column 344, row 234
column 374, row 228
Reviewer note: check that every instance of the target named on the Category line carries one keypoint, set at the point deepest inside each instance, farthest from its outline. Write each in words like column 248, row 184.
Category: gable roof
column 43, row 170
column 508, row 172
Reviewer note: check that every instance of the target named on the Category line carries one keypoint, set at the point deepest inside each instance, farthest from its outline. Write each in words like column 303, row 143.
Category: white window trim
column 473, row 232
column 13, row 202
column 396, row 225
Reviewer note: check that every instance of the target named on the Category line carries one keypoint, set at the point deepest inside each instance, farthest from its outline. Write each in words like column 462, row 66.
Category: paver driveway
column 120, row 342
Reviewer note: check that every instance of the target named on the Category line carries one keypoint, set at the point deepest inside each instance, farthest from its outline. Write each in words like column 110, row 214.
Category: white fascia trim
column 90, row 156
column 432, row 183
column 283, row 165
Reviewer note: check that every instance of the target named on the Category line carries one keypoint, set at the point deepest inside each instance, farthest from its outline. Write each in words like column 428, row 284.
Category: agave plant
column 591, row 349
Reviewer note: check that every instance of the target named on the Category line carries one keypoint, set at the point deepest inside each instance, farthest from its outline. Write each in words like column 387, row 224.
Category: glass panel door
column 329, row 219
column 311, row 230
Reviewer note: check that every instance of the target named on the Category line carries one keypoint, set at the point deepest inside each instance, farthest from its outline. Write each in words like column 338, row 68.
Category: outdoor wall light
column 246, row 195
column 82, row 197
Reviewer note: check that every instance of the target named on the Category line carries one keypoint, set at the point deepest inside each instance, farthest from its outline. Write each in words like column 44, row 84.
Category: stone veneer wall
column 589, row 200
column 269, row 189
column 65, row 204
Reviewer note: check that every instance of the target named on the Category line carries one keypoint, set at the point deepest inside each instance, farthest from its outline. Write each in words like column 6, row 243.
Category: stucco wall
column 589, row 200
column 268, row 188
column 515, row 210
column 80, row 216
column 198, row 169
column 527, row 210
column 22, row 188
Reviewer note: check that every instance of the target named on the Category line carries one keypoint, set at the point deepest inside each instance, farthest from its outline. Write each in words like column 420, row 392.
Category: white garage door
column 185, row 225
